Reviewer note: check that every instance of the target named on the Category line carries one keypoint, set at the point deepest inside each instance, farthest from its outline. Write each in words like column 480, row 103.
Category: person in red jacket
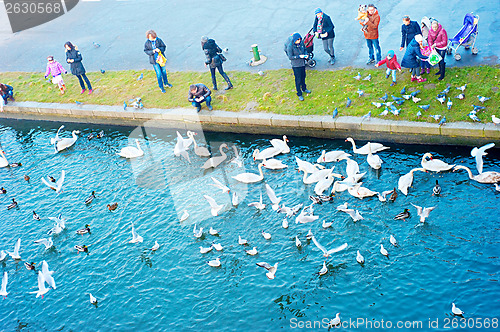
column 438, row 40
column 371, row 34
column 392, row 65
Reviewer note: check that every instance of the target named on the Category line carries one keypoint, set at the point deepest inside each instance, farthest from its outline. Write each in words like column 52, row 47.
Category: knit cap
column 390, row 53
column 317, row 11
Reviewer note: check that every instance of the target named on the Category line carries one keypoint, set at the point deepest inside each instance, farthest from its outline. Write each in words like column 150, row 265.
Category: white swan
column 216, row 161
column 273, row 164
column 250, row 177
column 200, row 151
column 361, row 192
column 373, row 160
column 434, row 165
column 485, row 177
column 131, row 151
column 281, row 144
column 64, row 143
column 406, row 180
column 479, row 153
column 316, row 176
column 3, row 160
column 376, row 147
column 332, row 156
column 307, row 166
column 323, row 184
column 266, row 153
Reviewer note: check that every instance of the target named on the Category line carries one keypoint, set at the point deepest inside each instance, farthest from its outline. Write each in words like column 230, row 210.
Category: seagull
column 382, row 196
column 327, row 253
column 327, row 224
column 335, row 321
column 495, row 120
column 482, row 99
column 242, row 241
column 218, row 184
column 58, row 185
column 423, row 213
column 478, row 153
column 93, row 300
column 59, row 226
column 441, row 98
column 357, row 77
column 184, row 216
column 383, row 251
column 455, row 310
column 271, row 269
column 443, row 121
column 354, row 214
column 436, row 191
column 393, row 241
column 378, row 105
column 235, row 200
column 303, row 217
column 46, row 242
column 462, row 88
column 335, row 113
column 135, row 237
column 298, row 244
column 205, row 250
column 252, row 252
column 324, row 269
column 15, row 254
column 460, row 96
column 217, row 246
column 3, row 290
column 272, row 196
column 449, row 103
column 309, row 235
column 47, row 275
column 258, row 204
column 266, row 236
column 42, row 290
column 156, row 246
column 360, row 92
column 3, row 254
column 284, row 223
column 213, row 232
column 214, row 262
column 368, row 78
column 197, row 233
column 424, row 107
column 214, row 207
column 359, row 258
column 348, row 102
column 36, row 216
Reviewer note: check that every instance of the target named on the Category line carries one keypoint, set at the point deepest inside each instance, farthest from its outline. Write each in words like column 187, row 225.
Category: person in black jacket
column 153, row 47
column 323, row 28
column 408, row 31
column 214, row 60
column 74, row 58
column 296, row 52
column 199, row 93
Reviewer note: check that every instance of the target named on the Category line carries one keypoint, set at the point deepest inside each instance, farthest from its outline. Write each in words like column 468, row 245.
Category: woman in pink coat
column 438, row 40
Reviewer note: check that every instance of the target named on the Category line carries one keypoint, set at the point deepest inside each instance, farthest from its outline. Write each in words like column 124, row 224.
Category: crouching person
column 199, row 93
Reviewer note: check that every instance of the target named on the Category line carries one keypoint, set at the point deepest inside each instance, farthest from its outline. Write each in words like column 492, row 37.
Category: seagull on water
column 42, row 290
column 242, row 241
column 359, row 258
column 284, row 223
column 383, row 251
column 252, row 252
column 46, row 242
column 271, row 269
column 297, row 242
column 214, row 262
column 456, row 311
column 327, row 253
column 205, row 250
column 135, row 237
column 218, row 184
column 324, row 269
column 47, row 275
column 3, row 290
column 184, row 216
column 15, row 254
column 93, row 300
column 214, row 207
column 217, row 246
column 156, row 246
column 58, row 185
column 197, row 232
column 266, row 236
column 393, row 240
column 423, row 212
column 258, row 205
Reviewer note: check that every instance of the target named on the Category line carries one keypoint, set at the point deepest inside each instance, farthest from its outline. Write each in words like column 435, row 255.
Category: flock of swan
column 326, row 185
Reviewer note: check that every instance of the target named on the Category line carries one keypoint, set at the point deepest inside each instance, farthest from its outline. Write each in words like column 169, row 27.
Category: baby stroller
column 466, row 37
column 309, row 44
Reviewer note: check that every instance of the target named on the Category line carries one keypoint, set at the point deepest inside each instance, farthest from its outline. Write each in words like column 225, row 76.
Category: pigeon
column 368, row 78
column 482, row 99
column 140, row 77
column 400, row 102
column 423, row 212
column 441, row 98
column 271, row 269
column 415, row 99
column 424, row 107
column 446, row 91
column 460, row 96
column 436, row 117
column 495, row 120
column 462, row 88
column 436, row 191
column 414, row 93
column 360, row 92
column 327, row 253
column 474, row 117
column 407, row 97
column 359, row 258
column 477, row 108
column 261, row 73
column 78, row 102
column 388, row 104
column 367, row 116
column 357, row 77
column 384, row 97
column 395, row 111
column 396, row 98
column 385, row 112
column 449, row 103
column 335, row 112
column 124, row 106
column 443, row 121
column 102, row 71
column 403, row 90
column 378, row 105
column 456, row 311
column 419, row 114
column 348, row 102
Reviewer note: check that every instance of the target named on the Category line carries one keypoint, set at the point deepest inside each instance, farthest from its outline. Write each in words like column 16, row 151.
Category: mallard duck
column 84, row 230
column 394, row 195
column 36, row 216
column 403, row 215
column 26, row 178
column 3, row 190
column 15, row 165
column 89, row 199
column 436, row 191
column 100, row 134
column 12, row 205
column 112, row 207
column 82, row 248
column 29, row 266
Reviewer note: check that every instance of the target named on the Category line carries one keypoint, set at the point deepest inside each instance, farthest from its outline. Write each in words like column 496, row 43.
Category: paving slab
column 457, row 129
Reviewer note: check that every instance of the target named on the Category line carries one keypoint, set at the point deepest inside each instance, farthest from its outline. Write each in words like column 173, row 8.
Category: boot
column 229, row 84
column 214, row 82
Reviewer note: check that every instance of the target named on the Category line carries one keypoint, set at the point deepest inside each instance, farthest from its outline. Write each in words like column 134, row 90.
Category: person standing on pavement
column 296, row 52
column 155, row 48
column 74, row 58
column 371, row 34
column 199, row 93
column 214, row 59
column 438, row 40
column 408, row 30
column 323, row 28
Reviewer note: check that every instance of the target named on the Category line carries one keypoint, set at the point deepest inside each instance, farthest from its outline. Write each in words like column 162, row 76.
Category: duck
column 100, row 134
column 12, row 205
column 273, row 164
column 198, row 150
column 16, row 165
column 84, row 230
column 83, row 248
column 3, row 190
column 332, row 156
column 406, row 180
column 3, row 159
column 281, row 144
column 250, row 177
column 26, row 178
column 130, row 152
column 434, row 165
column 485, row 177
column 64, row 143
column 436, row 191
column 252, row 252
column 89, row 199
column 112, row 207
column 359, row 258
column 266, row 153
column 403, row 215
column 216, row 161
column 36, row 216
column 29, row 266
column 394, row 195
column 365, row 149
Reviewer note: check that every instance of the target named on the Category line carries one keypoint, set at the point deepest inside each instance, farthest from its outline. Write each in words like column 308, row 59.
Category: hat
column 317, row 11
column 390, row 53
column 50, row 58
column 204, row 39
column 418, row 38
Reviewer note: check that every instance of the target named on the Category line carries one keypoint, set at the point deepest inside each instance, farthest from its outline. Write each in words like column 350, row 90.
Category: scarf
column 320, row 24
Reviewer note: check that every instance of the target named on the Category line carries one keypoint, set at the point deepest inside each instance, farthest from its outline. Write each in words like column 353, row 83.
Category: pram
column 309, row 44
column 466, row 37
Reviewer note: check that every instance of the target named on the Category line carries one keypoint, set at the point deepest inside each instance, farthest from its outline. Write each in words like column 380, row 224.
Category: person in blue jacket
column 74, row 58
column 323, row 28
column 296, row 52
column 412, row 58
column 408, row 30
column 152, row 47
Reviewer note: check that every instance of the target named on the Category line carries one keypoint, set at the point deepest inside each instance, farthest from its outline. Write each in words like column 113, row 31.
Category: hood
column 438, row 30
column 425, row 20
column 374, row 13
column 414, row 43
column 295, row 37
column 209, row 44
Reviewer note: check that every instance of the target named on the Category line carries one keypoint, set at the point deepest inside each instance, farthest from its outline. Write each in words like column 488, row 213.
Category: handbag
column 161, row 60
column 434, row 58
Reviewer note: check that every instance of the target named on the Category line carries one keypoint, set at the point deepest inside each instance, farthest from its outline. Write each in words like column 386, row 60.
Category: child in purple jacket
column 55, row 69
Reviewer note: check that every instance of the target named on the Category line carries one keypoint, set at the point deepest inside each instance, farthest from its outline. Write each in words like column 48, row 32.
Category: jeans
column 161, row 74
column 442, row 64
column 371, row 43
column 208, row 100
column 414, row 72
column 388, row 71
column 223, row 74
column 86, row 80
column 300, row 79
column 328, row 46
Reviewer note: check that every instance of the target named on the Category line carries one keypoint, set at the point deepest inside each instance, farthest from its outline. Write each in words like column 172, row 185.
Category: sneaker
column 90, row 91
column 163, row 90
column 168, row 85
column 393, row 83
column 370, row 62
column 422, row 71
column 307, row 91
column 421, row 80
column 210, row 108
column 198, row 109
column 413, row 79
column 428, row 70
column 229, row 87
column 440, row 78
column 387, row 76
column 301, row 98
column 215, row 88
column 83, row 90
column 332, row 60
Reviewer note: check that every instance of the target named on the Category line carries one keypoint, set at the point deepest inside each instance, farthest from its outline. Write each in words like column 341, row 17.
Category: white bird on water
column 406, row 180
column 217, row 160
column 250, row 177
column 46, row 242
column 434, row 165
column 271, row 269
column 281, row 145
column 305, row 217
column 66, row 142
column 3, row 255
column 213, row 231
column 235, row 200
column 156, row 246
column 135, row 237
column 332, row 156
column 258, row 205
column 184, row 216
column 456, row 310
column 214, row 262
column 218, row 184
column 3, row 290
column 93, row 300
column 217, row 246
column 383, row 251
column 327, row 224
column 393, row 241
column 284, row 223
column 59, row 226
column 130, row 152
column 204, row 250
column 242, row 241
column 327, row 253
column 335, row 321
column 324, row 269
column 354, row 214
column 478, row 153
column 423, row 212
column 359, row 258
column 214, row 207
column 47, row 275
column 58, row 185
column 266, row 235
column 180, row 148
column 265, row 154
column 298, row 243
column 15, row 254
column 252, row 252
column 272, row 196
column 197, row 233
column 42, row 290
column 375, row 147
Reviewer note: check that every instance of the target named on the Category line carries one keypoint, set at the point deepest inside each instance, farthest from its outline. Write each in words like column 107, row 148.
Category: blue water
column 452, row 258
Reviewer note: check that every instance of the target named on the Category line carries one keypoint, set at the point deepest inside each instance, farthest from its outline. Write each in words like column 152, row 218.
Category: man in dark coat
column 408, row 30
column 74, row 58
column 323, row 28
column 199, row 93
column 214, row 60
column 296, row 52
column 153, row 47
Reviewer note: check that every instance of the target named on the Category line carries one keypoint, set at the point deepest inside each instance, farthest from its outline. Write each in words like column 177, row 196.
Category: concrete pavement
column 119, row 27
